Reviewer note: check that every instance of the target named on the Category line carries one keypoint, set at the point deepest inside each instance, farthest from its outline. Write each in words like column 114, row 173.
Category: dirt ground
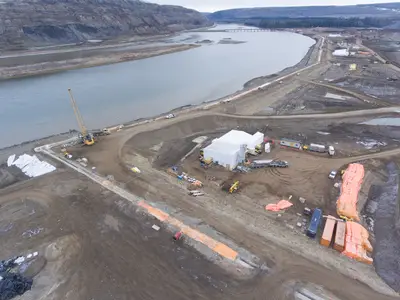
column 121, row 257
column 153, row 151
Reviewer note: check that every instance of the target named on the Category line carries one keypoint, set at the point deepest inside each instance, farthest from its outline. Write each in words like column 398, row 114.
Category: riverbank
column 309, row 59
column 64, row 61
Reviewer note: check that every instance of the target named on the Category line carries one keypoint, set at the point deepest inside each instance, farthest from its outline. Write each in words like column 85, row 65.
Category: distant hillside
column 24, row 23
column 360, row 11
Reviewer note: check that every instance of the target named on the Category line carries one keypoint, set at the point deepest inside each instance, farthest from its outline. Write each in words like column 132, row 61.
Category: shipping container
column 327, row 235
column 340, row 236
column 290, row 143
column 314, row 224
column 317, row 148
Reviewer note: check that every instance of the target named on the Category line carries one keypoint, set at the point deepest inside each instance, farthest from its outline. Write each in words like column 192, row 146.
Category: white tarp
column 10, row 160
column 31, row 165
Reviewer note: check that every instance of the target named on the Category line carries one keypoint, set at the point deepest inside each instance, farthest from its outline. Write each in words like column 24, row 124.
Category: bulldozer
column 86, row 137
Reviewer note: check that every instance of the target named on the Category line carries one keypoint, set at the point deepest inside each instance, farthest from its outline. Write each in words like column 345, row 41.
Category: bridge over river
column 234, row 30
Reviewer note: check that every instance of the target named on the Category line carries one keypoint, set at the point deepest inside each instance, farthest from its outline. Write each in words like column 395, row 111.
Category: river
column 39, row 106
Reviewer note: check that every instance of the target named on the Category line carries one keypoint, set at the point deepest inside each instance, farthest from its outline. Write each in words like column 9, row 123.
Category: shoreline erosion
column 310, row 58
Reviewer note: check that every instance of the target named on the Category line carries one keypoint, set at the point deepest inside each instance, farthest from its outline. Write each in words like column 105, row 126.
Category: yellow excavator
column 87, row 138
column 234, row 187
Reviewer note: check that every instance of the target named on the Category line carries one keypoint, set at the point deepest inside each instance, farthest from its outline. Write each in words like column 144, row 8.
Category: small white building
column 230, row 149
column 341, row 52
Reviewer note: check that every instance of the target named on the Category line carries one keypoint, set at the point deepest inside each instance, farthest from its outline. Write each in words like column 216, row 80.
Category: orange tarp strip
column 283, row 204
column 357, row 244
column 196, row 235
column 346, row 205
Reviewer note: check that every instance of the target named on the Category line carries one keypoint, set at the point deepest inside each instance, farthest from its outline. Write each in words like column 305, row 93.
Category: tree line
column 318, row 22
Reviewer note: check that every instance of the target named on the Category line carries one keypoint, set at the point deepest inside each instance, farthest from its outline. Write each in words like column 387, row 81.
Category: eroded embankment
column 387, row 230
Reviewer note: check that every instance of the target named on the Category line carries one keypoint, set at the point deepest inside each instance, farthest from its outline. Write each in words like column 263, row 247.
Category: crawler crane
column 87, row 138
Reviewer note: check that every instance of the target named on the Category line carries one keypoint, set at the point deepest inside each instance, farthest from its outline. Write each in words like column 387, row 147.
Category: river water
column 39, row 106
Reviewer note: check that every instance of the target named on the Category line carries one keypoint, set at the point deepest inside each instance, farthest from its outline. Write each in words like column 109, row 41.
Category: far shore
column 54, row 66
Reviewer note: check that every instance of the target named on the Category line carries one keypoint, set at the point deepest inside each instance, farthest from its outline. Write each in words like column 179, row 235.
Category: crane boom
column 87, row 138
column 77, row 114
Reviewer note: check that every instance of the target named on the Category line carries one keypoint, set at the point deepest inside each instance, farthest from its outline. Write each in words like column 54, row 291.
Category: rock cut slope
column 25, row 23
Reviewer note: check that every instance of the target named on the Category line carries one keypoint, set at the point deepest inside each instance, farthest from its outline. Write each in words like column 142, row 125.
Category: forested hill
column 359, row 11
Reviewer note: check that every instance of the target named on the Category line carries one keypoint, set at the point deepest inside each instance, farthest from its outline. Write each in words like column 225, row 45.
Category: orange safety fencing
column 357, row 244
column 346, row 205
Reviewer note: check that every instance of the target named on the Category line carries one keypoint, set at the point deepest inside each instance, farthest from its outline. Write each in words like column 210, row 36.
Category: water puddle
column 383, row 122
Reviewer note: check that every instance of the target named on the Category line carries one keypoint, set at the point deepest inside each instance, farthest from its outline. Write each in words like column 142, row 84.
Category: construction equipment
column 234, row 187
column 87, row 138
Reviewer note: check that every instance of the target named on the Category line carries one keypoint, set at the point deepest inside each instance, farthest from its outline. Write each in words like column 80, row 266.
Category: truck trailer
column 290, row 143
column 317, row 148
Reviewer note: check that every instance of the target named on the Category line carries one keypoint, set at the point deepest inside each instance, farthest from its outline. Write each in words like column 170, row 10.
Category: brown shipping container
column 340, row 236
column 328, row 231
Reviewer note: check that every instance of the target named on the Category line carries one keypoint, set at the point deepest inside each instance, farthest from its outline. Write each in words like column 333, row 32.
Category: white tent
column 226, row 155
column 229, row 150
column 341, row 52
column 237, row 137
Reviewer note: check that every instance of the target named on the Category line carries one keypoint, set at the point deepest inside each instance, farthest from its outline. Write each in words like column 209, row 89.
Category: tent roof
column 219, row 146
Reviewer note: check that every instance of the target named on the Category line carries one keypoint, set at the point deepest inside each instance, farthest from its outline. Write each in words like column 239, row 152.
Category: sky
column 214, row 5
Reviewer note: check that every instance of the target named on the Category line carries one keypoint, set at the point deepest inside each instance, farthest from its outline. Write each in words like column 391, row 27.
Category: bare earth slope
column 25, row 23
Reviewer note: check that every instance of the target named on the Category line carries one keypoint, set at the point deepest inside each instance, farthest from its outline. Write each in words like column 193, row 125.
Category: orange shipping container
column 340, row 236
column 328, row 231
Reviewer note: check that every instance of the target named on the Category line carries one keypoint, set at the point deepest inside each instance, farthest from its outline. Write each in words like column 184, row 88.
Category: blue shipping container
column 314, row 224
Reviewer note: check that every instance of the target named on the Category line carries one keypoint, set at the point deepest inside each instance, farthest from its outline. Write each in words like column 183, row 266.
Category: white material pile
column 30, row 165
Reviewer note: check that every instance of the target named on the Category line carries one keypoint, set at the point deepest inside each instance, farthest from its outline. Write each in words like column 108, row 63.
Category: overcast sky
column 214, row 5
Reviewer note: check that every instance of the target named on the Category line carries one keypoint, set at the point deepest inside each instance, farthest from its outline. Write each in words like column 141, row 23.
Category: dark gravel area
column 387, row 248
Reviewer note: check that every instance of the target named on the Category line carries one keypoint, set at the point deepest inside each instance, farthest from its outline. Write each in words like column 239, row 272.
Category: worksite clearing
column 143, row 212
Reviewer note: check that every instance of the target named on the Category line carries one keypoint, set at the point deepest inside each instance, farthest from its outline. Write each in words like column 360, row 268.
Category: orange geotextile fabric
column 283, row 204
column 357, row 244
column 346, row 205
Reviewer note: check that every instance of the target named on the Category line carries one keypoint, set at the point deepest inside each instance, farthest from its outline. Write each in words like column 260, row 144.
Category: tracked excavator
column 87, row 138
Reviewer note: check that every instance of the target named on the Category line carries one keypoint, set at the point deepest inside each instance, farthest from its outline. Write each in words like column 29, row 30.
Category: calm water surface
column 39, row 106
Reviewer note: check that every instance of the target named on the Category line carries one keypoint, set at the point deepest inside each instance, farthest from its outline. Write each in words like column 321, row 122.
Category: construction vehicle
column 87, row 138
column 234, row 187
column 315, row 148
column 331, row 150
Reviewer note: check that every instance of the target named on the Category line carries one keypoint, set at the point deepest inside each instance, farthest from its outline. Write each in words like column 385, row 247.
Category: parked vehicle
column 332, row 174
column 331, row 151
column 170, row 116
column 314, row 224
